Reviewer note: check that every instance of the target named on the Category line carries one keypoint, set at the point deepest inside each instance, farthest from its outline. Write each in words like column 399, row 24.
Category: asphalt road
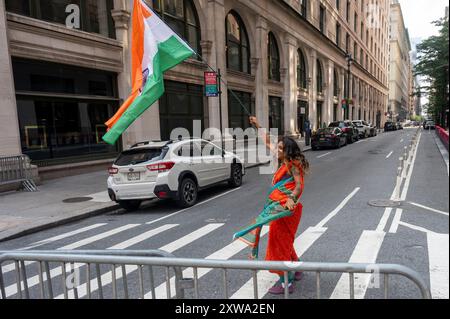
column 338, row 224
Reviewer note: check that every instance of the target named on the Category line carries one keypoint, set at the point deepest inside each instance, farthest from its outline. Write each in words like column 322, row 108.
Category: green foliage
column 433, row 66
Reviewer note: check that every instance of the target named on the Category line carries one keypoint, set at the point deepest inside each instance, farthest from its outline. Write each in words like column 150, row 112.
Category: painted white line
column 414, row 227
column 411, row 169
column 223, row 254
column 384, row 219
column 33, row 281
column 430, row 209
column 173, row 246
column 106, row 278
column 338, row 209
column 142, row 237
column 438, row 248
column 324, row 155
column 366, row 251
column 266, row 279
column 183, row 210
column 11, row 267
column 396, row 221
column 390, row 154
column 402, row 140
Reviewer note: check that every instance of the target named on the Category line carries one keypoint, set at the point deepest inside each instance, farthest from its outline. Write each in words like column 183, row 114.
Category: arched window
column 335, row 84
column 182, row 17
column 319, row 78
column 274, row 58
column 238, row 51
column 301, row 70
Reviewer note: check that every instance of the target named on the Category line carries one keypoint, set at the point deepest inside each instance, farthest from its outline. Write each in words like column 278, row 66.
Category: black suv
column 349, row 129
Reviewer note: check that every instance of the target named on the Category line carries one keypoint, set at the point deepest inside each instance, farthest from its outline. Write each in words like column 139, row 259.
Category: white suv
column 171, row 170
column 364, row 128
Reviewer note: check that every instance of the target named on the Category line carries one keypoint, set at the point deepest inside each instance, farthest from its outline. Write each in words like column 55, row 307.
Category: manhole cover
column 77, row 200
column 384, row 203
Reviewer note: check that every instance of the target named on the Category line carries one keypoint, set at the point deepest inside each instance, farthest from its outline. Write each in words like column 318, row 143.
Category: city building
column 400, row 75
column 286, row 61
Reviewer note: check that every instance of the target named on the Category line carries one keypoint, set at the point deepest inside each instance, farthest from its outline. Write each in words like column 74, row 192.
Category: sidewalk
column 62, row 201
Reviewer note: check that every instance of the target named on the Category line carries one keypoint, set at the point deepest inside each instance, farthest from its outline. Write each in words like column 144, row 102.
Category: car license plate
column 134, row 177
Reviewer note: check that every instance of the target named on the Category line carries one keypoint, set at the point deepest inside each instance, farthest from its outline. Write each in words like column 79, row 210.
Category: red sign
column 211, row 88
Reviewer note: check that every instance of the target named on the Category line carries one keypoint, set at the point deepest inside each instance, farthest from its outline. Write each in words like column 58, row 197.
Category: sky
column 419, row 14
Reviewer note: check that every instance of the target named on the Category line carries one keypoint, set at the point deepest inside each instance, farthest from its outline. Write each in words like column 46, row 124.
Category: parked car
column 363, row 128
column 430, row 125
column 349, row 129
column 175, row 170
column 373, row 130
column 399, row 126
column 328, row 137
column 389, row 127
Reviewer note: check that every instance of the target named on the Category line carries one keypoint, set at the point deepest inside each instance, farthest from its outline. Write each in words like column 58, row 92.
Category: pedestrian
column 283, row 209
column 307, row 132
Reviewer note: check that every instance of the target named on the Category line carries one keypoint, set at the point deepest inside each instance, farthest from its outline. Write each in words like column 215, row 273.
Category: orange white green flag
column 155, row 48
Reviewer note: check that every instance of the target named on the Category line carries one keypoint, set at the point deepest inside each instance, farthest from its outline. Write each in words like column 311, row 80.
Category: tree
column 433, row 66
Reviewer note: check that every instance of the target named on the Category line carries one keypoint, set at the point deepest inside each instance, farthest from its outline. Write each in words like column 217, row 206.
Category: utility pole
column 349, row 59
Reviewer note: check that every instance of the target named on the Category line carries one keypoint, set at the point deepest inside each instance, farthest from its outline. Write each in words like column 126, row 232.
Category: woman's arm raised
column 265, row 137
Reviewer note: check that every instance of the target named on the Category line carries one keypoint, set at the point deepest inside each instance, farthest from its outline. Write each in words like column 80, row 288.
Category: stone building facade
column 400, row 82
column 285, row 60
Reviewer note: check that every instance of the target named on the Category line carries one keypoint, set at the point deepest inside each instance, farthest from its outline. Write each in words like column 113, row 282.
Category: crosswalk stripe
column 140, row 238
column 33, row 281
column 366, row 251
column 223, row 254
column 11, row 267
column 106, row 278
column 438, row 254
column 266, row 279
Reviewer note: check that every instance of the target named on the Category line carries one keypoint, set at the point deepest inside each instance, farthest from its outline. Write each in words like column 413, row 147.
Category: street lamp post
column 349, row 59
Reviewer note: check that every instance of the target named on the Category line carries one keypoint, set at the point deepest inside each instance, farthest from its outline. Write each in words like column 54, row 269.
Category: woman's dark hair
column 292, row 152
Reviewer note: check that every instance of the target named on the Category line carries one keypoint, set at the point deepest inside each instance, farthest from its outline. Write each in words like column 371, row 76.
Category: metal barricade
column 119, row 260
column 17, row 169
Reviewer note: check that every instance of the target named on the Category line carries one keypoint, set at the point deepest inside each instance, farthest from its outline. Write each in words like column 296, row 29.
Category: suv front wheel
column 187, row 193
column 236, row 175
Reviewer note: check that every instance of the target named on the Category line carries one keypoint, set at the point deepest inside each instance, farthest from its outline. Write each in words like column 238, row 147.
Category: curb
column 86, row 213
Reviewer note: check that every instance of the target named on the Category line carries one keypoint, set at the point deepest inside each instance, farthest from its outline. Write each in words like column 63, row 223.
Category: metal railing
column 138, row 260
column 17, row 169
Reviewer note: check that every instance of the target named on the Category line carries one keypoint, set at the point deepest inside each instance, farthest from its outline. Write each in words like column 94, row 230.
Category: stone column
column 9, row 124
column 290, row 86
column 312, row 62
column 341, row 111
column 329, row 96
column 261, row 91
column 217, row 59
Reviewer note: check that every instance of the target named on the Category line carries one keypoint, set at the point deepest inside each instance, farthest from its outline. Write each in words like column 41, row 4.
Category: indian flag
column 155, row 49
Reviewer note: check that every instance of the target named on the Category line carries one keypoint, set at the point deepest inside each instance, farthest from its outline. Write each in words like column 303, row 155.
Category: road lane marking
column 402, row 140
column 11, row 267
column 366, row 251
column 429, row 208
column 266, row 279
column 396, row 221
column 390, row 154
column 438, row 247
column 33, row 281
column 223, row 254
column 142, row 237
column 414, row 227
column 384, row 219
column 201, row 203
column 106, row 278
column 411, row 170
column 324, row 155
column 338, row 209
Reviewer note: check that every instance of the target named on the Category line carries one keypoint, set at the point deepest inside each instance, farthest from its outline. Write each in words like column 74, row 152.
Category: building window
column 301, row 70
column 274, row 58
column 338, row 34
column 238, row 118
column 182, row 17
column 335, row 84
column 180, row 105
column 304, row 8
column 322, row 17
column 238, row 51
column 276, row 114
column 62, row 110
column 319, row 79
column 95, row 15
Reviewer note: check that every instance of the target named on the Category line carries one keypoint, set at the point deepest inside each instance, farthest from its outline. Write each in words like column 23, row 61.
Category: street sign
column 211, row 87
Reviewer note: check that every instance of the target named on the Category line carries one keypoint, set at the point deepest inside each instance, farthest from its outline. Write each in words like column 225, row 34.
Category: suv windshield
column 138, row 156
column 337, row 124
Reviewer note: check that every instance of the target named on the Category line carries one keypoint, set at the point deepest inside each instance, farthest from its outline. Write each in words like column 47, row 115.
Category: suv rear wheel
column 130, row 205
column 188, row 193
column 236, row 175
